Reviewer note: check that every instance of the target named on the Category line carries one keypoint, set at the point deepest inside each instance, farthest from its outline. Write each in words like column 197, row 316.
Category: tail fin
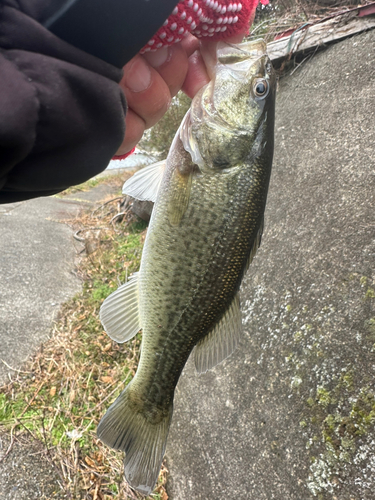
column 141, row 434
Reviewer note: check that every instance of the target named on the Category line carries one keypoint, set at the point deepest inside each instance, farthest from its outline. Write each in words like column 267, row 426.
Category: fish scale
column 205, row 228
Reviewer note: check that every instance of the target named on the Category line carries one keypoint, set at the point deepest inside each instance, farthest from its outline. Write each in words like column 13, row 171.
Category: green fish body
column 205, row 228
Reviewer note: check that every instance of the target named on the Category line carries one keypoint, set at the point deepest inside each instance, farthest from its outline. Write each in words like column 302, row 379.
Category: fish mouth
column 256, row 47
column 227, row 53
column 237, row 59
column 249, row 51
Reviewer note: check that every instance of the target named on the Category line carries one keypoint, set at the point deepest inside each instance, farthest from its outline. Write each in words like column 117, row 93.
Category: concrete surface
column 27, row 474
column 37, row 275
column 37, row 271
column 291, row 414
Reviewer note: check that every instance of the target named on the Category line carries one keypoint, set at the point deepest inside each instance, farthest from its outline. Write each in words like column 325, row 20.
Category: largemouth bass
column 205, row 228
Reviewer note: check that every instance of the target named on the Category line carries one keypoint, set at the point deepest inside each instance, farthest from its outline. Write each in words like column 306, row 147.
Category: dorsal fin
column 144, row 185
column 221, row 341
column 119, row 313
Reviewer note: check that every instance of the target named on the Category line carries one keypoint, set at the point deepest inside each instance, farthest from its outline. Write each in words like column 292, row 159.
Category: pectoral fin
column 144, row 185
column 221, row 341
column 180, row 189
column 119, row 313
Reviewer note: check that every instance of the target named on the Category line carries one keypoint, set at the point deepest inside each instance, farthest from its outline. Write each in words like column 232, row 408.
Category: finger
column 190, row 44
column 196, row 76
column 146, row 92
column 134, row 128
column 172, row 65
column 201, row 69
column 208, row 51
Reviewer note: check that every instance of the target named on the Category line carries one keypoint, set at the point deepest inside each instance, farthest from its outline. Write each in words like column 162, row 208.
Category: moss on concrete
column 339, row 408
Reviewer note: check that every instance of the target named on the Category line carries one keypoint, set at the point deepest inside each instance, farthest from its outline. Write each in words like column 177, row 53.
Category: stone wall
column 291, row 414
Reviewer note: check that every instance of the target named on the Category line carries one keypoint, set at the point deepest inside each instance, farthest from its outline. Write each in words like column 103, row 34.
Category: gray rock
column 143, row 209
column 290, row 415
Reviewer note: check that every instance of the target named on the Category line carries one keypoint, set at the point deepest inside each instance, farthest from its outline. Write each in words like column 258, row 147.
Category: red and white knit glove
column 209, row 19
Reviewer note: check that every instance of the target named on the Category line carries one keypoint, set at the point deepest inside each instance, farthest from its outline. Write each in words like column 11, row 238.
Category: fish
column 206, row 225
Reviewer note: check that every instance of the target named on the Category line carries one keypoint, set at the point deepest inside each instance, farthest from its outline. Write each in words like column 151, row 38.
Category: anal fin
column 220, row 342
column 119, row 313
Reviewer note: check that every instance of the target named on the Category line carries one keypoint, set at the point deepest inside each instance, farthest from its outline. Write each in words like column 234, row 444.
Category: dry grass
column 61, row 394
column 282, row 15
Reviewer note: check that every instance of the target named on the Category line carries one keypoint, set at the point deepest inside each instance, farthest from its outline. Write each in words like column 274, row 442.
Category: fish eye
column 261, row 88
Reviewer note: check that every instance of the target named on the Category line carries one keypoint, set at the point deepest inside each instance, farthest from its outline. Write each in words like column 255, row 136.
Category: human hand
column 151, row 80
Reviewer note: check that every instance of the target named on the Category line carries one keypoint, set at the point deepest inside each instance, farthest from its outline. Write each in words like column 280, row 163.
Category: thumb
column 208, row 51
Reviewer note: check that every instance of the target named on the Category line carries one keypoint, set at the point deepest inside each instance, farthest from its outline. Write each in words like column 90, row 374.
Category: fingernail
column 138, row 76
column 157, row 58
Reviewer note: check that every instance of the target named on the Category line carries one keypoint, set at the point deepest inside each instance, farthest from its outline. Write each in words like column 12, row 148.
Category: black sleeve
column 61, row 108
